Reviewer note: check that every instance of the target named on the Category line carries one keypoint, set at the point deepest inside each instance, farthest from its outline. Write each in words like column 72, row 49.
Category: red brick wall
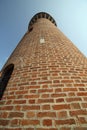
column 48, row 87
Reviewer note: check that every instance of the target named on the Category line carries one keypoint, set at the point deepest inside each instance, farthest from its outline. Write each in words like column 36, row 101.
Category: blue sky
column 70, row 16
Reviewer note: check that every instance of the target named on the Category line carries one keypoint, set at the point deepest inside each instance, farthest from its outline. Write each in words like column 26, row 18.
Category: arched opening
column 5, row 78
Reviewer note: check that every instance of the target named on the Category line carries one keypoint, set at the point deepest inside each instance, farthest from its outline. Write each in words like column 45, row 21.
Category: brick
column 45, row 107
column 46, row 114
column 44, row 78
column 47, row 122
column 45, row 100
column 30, row 107
column 6, row 108
column 26, row 122
column 57, row 85
column 81, row 89
column 58, row 95
column 14, row 122
column 45, row 86
column 33, row 83
column 84, row 105
column 69, row 89
column 45, row 82
column 16, row 114
column 19, row 101
column 10, row 97
column 61, row 107
column 84, row 81
column 19, row 96
column 4, row 122
column 22, row 84
column 3, row 114
column 21, row 92
column 64, row 122
column 78, row 112
column 85, row 98
column 34, row 87
column 56, row 81
column 2, row 102
column 60, row 100
column 30, row 114
column 71, row 94
column 58, row 90
column 75, row 106
column 45, row 96
column 82, row 120
column 79, row 85
column 45, row 90
column 17, row 108
column 62, row 114
column 32, row 91
column 31, row 96
column 67, row 81
column 32, row 101
column 82, row 94
column 8, row 102
column 75, row 99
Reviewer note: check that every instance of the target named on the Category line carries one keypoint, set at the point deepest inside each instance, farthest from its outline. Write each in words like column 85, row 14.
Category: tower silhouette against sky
column 43, row 85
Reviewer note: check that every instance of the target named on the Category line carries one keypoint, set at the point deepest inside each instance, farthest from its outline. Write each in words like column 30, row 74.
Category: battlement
column 41, row 15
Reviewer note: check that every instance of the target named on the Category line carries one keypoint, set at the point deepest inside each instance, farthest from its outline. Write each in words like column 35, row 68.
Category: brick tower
column 43, row 85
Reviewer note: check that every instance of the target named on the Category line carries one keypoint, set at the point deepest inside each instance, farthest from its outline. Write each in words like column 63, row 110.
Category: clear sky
column 70, row 16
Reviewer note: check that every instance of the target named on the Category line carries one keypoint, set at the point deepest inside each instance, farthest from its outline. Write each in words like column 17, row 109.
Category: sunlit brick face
column 48, row 87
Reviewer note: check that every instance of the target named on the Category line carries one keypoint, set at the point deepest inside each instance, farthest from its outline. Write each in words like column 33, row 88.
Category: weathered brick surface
column 48, row 87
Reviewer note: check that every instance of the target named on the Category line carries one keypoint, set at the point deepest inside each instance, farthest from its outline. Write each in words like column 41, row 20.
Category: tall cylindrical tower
column 43, row 85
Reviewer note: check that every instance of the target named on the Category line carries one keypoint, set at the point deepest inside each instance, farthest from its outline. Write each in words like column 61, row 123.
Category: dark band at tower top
column 42, row 15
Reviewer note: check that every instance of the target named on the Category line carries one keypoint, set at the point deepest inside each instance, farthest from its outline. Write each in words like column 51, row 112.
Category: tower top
column 41, row 15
